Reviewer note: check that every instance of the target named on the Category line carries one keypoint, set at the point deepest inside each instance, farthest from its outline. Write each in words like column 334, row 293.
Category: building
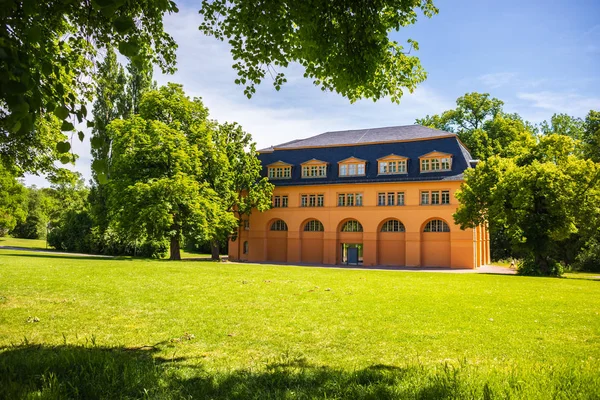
column 367, row 197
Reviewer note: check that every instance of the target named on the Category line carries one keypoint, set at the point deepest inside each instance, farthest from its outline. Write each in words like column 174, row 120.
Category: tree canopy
column 49, row 51
column 482, row 125
column 541, row 198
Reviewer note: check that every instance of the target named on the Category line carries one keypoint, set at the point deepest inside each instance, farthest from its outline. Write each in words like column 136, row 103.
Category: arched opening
column 276, row 245
column 350, row 242
column 312, row 234
column 435, row 243
column 391, row 243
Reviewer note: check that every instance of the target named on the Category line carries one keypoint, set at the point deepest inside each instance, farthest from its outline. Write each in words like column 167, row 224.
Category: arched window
column 246, row 247
column 352, row 226
column 436, row 225
column 279, row 225
column 393, row 225
column 313, row 226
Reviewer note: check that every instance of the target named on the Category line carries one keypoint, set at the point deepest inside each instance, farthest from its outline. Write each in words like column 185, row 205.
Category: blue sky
column 539, row 57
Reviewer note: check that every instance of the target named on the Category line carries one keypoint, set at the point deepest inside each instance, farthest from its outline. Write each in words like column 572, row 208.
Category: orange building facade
column 377, row 197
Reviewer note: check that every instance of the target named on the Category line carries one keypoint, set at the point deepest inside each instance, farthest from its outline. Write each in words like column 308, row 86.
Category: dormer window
column 436, row 161
column 279, row 170
column 314, row 169
column 392, row 164
column 352, row 167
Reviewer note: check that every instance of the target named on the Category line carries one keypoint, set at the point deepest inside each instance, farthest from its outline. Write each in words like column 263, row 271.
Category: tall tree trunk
column 214, row 250
column 175, row 250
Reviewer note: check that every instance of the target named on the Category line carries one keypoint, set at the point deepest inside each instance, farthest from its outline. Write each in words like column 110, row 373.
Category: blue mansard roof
column 412, row 142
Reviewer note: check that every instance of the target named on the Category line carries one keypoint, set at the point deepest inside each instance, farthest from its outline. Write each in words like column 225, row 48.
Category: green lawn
column 104, row 328
column 26, row 243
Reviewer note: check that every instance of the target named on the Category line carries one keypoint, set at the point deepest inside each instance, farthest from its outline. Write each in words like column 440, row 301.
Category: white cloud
column 556, row 102
column 498, row 79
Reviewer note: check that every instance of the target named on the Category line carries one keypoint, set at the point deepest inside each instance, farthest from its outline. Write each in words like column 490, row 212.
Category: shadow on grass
column 94, row 372
column 91, row 372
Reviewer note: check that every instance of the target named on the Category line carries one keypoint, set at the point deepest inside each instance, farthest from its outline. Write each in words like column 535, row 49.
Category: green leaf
column 63, row 147
column 123, row 24
column 100, row 166
column 61, row 112
column 35, row 33
column 81, row 136
column 90, row 124
column 16, row 126
column 102, row 178
column 129, row 49
column 96, row 142
column 16, row 87
column 104, row 3
column 67, row 126
column 65, row 159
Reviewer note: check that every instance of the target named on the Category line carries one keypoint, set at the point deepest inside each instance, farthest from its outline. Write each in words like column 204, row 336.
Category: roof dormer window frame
column 392, row 165
column 435, row 161
column 314, row 169
column 279, row 170
column 352, row 167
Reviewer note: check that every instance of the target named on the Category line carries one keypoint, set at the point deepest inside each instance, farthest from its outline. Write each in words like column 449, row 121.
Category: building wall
column 413, row 248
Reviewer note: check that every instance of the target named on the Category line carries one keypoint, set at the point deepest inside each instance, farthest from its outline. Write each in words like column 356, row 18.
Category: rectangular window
column 445, row 197
column 435, row 164
column 361, row 169
column 381, row 199
column 271, row 173
column 383, row 167
column 424, row 165
column 424, row 198
column 390, row 199
column 305, row 171
column 320, row 200
column 313, row 171
column 276, row 201
column 350, row 199
column 400, row 201
column 343, row 170
column 435, row 197
column 304, row 201
column 392, row 167
column 246, row 224
column 352, row 169
column 322, row 170
column 312, row 200
column 284, row 201
column 287, row 172
column 446, row 164
column 401, row 166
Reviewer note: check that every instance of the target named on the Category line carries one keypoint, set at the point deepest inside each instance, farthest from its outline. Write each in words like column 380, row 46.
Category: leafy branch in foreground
column 342, row 45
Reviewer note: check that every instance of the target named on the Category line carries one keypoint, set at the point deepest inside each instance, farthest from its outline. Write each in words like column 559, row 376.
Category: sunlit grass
column 204, row 329
column 25, row 243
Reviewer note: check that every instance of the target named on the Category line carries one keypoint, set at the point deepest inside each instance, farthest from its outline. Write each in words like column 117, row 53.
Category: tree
column 40, row 206
column 563, row 124
column 13, row 201
column 591, row 136
column 342, row 45
column 233, row 172
column 156, row 189
column 483, row 126
column 541, row 198
column 47, row 51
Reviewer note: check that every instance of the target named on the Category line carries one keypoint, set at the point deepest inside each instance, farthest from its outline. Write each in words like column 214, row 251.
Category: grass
column 104, row 328
column 36, row 244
